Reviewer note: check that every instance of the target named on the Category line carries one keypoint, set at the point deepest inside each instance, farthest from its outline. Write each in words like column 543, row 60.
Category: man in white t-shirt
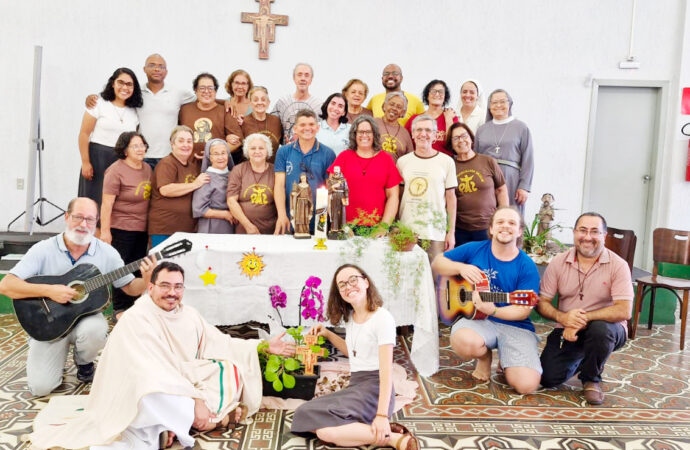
column 286, row 107
column 428, row 203
column 158, row 115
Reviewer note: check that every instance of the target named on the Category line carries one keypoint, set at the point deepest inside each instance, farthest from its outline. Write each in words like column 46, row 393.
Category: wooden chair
column 622, row 243
column 670, row 246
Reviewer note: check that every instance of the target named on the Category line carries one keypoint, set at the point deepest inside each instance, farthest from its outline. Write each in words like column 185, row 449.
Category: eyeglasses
column 120, row 83
column 594, row 232
column 240, row 83
column 459, row 138
column 178, row 287
column 206, row 88
column 155, row 66
column 352, row 281
column 395, row 74
column 77, row 218
column 365, row 132
column 137, row 146
column 437, row 92
column 423, row 130
column 498, row 102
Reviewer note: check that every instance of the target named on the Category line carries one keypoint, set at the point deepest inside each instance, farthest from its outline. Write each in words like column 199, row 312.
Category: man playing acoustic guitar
column 55, row 256
column 508, row 327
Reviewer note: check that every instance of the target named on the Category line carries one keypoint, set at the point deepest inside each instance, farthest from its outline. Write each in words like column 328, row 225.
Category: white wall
column 540, row 51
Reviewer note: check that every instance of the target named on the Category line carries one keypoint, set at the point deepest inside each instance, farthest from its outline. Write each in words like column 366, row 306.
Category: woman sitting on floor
column 359, row 414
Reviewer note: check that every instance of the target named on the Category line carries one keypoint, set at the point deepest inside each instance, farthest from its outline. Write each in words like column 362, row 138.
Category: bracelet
column 493, row 314
column 382, row 415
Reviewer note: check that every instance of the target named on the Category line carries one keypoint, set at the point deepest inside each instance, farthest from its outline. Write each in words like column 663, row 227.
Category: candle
column 321, row 213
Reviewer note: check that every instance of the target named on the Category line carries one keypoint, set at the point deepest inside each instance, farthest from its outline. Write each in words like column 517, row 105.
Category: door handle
column 646, row 178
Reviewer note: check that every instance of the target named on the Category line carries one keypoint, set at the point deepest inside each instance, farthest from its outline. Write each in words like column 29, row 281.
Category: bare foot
column 171, row 439
column 482, row 370
column 499, row 369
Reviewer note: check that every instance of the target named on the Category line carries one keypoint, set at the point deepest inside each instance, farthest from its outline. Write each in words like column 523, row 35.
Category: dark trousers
column 587, row 355
column 131, row 245
column 465, row 236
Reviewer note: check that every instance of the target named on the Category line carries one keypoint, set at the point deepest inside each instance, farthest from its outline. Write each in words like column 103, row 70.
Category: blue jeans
column 464, row 236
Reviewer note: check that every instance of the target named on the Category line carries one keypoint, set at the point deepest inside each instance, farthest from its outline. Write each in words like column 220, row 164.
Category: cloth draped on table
column 156, row 351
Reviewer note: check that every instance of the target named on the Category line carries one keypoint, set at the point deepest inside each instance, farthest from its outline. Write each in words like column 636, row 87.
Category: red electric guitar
column 454, row 295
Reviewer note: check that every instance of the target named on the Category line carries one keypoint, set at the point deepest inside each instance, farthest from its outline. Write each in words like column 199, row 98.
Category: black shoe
column 85, row 372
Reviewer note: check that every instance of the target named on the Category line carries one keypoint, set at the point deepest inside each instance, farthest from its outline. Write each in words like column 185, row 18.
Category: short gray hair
column 422, row 118
column 394, row 94
column 261, row 137
column 303, row 64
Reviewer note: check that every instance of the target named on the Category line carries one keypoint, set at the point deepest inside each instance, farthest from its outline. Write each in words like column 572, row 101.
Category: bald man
column 391, row 78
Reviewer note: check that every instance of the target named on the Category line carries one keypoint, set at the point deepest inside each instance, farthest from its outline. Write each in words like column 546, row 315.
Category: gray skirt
column 101, row 157
column 357, row 403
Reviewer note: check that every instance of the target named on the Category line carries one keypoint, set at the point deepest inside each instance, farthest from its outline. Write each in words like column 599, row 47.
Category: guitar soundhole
column 81, row 292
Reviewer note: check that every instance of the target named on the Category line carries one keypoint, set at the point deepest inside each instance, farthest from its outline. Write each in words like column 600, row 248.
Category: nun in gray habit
column 209, row 203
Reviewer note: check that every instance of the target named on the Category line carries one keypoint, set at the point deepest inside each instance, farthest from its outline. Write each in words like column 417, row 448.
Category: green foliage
column 279, row 370
column 534, row 242
column 401, row 236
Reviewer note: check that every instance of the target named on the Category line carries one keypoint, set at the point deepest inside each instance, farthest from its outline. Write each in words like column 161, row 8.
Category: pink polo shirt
column 608, row 280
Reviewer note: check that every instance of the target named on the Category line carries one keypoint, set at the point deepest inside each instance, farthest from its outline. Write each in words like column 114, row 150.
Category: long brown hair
column 338, row 308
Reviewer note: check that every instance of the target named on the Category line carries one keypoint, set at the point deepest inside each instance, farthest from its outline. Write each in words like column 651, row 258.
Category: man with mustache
column 595, row 297
column 56, row 256
column 163, row 371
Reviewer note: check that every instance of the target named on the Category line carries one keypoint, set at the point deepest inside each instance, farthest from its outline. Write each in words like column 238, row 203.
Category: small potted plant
column 401, row 237
column 541, row 246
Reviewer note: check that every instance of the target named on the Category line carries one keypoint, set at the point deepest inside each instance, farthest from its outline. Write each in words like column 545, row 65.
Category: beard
column 80, row 239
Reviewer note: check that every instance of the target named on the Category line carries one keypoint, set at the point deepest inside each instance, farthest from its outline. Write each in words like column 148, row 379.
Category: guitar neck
column 489, row 297
column 107, row 278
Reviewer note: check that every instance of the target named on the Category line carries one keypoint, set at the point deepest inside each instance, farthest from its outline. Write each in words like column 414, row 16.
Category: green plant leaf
column 272, row 366
column 270, row 376
column 288, row 380
column 321, row 340
column 326, row 353
column 277, row 385
column 291, row 364
column 315, row 348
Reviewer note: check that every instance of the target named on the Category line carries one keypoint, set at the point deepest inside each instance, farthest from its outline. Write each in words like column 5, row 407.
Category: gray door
column 622, row 158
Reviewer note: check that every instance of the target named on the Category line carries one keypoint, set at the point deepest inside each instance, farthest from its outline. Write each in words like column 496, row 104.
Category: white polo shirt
column 158, row 117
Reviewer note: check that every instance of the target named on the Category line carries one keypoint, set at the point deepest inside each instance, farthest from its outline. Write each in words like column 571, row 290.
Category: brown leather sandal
column 412, row 442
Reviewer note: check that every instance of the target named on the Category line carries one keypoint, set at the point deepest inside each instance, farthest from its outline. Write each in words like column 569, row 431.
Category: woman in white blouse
column 101, row 125
column 470, row 107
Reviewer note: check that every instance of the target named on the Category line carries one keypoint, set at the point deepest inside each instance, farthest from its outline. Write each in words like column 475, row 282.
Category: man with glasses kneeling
column 56, row 256
column 594, row 302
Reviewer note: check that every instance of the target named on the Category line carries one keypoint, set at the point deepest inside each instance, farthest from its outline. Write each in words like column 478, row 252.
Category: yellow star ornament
column 208, row 277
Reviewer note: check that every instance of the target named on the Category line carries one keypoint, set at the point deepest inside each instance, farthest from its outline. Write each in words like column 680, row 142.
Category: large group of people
column 158, row 160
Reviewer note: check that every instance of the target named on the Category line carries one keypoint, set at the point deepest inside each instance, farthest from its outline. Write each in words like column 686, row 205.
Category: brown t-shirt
column 170, row 214
column 270, row 127
column 255, row 196
column 132, row 190
column 215, row 123
column 364, row 111
column 478, row 179
column 395, row 139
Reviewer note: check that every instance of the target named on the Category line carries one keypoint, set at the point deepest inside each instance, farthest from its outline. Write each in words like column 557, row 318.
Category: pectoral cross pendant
column 497, row 148
column 354, row 352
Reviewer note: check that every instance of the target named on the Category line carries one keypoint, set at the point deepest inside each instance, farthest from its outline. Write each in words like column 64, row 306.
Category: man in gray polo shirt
column 56, row 256
column 158, row 115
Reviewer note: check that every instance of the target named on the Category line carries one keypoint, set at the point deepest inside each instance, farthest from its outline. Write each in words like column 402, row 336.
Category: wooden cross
column 264, row 25
column 309, row 357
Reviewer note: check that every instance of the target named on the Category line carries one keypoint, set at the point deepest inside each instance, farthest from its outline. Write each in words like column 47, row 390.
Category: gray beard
column 77, row 239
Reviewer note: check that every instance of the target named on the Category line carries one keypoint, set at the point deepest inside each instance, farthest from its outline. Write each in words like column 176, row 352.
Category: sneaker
column 85, row 372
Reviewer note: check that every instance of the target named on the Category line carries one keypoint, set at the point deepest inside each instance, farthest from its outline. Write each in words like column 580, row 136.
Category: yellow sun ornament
column 251, row 264
column 208, row 277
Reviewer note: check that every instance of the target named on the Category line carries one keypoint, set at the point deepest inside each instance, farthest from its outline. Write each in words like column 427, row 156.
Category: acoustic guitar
column 46, row 320
column 454, row 296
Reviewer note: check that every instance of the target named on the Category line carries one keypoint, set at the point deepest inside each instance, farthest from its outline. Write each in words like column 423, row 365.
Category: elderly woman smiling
column 209, row 204
column 355, row 92
column 394, row 138
column 250, row 188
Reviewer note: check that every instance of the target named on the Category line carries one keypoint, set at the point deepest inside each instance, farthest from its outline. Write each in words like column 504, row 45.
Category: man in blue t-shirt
column 508, row 327
column 305, row 155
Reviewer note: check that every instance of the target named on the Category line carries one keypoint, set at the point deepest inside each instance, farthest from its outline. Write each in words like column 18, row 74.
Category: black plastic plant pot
column 305, row 386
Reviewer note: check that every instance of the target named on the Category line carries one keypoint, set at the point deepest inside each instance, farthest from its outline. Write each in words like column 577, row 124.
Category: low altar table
column 227, row 278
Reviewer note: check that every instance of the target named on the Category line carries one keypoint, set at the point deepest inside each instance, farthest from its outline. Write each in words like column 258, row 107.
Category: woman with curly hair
column 359, row 414
column 102, row 125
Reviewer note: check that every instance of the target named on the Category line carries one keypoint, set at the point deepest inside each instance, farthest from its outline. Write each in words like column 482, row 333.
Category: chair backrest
column 622, row 243
column 671, row 246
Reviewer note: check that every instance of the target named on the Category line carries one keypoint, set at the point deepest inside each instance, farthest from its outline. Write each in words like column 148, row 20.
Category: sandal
column 230, row 417
column 412, row 442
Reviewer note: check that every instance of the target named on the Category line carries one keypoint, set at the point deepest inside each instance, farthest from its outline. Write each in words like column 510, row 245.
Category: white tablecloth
column 403, row 278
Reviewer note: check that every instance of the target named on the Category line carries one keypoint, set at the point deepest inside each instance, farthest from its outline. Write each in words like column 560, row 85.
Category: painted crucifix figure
column 264, row 25
column 309, row 357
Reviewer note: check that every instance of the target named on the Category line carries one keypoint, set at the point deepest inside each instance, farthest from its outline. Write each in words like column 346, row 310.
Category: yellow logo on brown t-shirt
column 202, row 129
column 258, row 194
column 189, row 178
column 389, row 144
column 143, row 188
column 466, row 184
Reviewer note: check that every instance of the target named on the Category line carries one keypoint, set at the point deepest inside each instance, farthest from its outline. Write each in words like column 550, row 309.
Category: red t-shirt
column 440, row 142
column 367, row 180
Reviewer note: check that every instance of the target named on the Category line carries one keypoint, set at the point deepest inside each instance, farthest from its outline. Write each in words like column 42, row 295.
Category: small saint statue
column 338, row 199
column 301, row 207
column 546, row 214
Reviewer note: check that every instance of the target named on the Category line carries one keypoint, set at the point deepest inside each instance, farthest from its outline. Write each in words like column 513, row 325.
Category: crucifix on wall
column 264, row 25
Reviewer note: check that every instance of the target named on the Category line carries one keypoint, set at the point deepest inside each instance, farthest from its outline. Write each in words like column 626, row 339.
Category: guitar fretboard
column 490, row 297
column 107, row 278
